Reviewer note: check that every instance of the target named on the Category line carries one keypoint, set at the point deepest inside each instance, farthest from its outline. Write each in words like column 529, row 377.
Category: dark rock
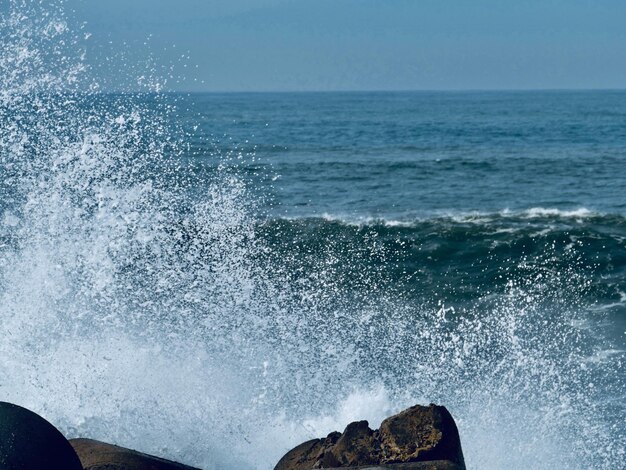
column 306, row 455
column 315, row 453
column 95, row 455
column 356, row 446
column 27, row 441
column 326, row 458
column 418, row 434
column 419, row 438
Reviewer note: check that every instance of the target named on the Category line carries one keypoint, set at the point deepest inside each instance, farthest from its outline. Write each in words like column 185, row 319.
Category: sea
column 215, row 278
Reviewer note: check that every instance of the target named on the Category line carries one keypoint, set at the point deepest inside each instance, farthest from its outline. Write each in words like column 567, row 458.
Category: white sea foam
column 372, row 405
column 581, row 213
column 461, row 217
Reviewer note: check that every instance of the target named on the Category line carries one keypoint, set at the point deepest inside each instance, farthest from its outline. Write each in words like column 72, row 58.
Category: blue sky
column 278, row 45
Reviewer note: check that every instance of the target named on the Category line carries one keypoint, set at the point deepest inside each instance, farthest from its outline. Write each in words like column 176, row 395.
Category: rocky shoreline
column 419, row 438
column 29, row 442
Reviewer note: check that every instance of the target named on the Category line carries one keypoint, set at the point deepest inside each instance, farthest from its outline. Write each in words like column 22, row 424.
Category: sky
column 326, row 45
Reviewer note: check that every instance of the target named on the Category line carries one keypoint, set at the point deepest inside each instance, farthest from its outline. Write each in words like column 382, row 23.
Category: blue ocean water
column 419, row 154
column 179, row 271
column 459, row 185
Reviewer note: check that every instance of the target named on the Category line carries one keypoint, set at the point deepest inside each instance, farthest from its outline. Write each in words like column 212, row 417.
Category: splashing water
column 141, row 310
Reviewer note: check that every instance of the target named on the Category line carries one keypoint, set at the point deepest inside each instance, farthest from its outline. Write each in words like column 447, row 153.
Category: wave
column 471, row 217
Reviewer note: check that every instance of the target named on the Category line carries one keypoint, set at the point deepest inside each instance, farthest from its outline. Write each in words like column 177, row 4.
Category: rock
column 356, row 446
column 96, row 455
column 306, row 455
column 419, row 438
column 315, row 453
column 27, row 441
column 419, row 434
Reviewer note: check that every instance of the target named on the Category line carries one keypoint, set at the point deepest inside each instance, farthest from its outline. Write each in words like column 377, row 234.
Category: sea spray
column 149, row 303
column 98, row 294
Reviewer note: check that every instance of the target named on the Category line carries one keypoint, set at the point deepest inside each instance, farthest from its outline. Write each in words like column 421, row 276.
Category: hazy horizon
column 442, row 91
column 364, row 45
column 451, row 90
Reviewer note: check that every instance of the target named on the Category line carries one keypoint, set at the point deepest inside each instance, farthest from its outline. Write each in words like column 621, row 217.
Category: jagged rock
column 96, row 455
column 315, row 453
column 356, row 446
column 420, row 433
column 306, row 455
column 419, row 438
column 27, row 441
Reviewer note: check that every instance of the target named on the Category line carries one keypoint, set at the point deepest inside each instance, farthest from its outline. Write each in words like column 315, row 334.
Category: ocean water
column 215, row 278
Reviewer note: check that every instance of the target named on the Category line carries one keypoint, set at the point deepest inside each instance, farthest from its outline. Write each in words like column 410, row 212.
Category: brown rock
column 95, row 455
column 356, row 446
column 419, row 438
column 304, row 456
column 316, row 453
column 420, row 434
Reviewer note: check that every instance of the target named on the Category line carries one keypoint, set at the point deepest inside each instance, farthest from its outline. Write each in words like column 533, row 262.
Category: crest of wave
column 139, row 306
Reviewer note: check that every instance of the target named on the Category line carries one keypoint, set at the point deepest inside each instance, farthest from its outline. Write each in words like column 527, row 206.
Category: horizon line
column 424, row 90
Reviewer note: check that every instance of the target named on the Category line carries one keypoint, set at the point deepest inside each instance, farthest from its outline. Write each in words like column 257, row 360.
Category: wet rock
column 356, row 446
column 419, row 438
column 96, row 455
column 306, row 455
column 316, row 453
column 27, row 441
column 420, row 433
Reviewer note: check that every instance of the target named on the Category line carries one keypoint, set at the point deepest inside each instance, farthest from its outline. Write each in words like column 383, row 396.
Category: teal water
column 407, row 155
column 455, row 187
column 179, row 271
